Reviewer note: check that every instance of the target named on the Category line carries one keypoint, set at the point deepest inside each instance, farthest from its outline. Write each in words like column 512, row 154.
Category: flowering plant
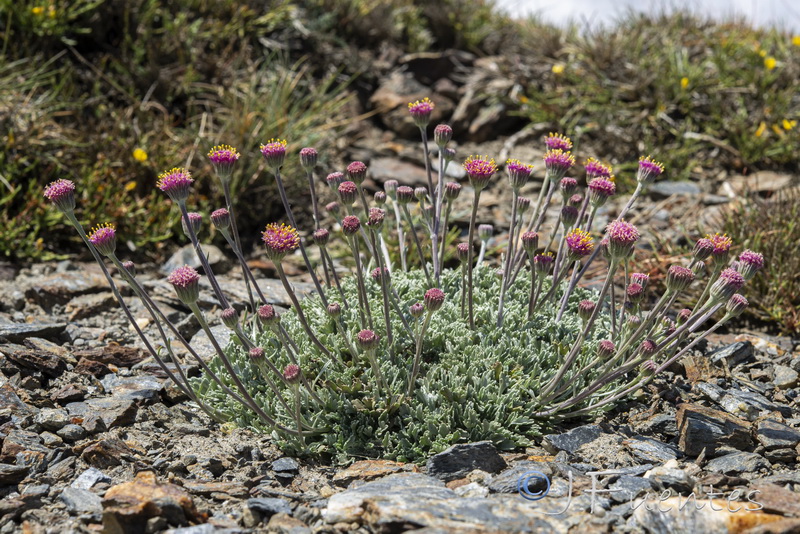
column 401, row 363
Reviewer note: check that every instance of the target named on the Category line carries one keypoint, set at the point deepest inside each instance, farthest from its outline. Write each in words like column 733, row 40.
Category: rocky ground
column 95, row 439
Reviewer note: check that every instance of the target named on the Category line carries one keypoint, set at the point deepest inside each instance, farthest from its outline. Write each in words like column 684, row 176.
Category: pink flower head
column 404, row 194
column 557, row 162
column 195, row 220
column 648, row 347
column 185, row 280
column 722, row 246
column 321, row 236
column 350, row 225
column 586, row 309
column 379, row 274
column 640, row 278
column 462, row 251
column 434, row 298
column 557, row 141
column 347, row 192
column 280, row 240
column 635, row 292
column 580, row 243
column 569, row 216
column 442, row 135
column 308, row 158
column 518, row 173
column 380, row 198
column 575, row 200
column 530, row 242
column 221, row 219
column 222, row 158
column 679, row 278
column 376, row 217
column 104, row 239
column 523, row 204
column 267, row 315
column 229, row 318
column 421, row 111
column 175, row 183
column 485, row 231
column 728, row 283
column 595, row 169
column 416, row 310
column 390, row 186
column 606, row 349
column 334, row 309
column 542, row 263
column 600, row 189
column 480, row 170
column 274, row 152
column 332, row 207
column 750, row 263
column 357, row 171
column 621, row 238
column 452, row 190
column 367, row 340
column 649, row 170
column 568, row 187
column 703, row 249
column 736, row 305
column 256, row 353
column 334, row 179
column 62, row 194
column 291, row 373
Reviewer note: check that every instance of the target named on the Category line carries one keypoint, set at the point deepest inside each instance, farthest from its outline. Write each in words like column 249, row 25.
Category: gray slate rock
column 81, row 501
column 111, row 410
column 17, row 332
column 459, row 460
column 185, row 255
column 143, row 387
column 628, row 488
column 89, row 478
column 734, row 353
column 11, row 474
column 571, row 441
column 668, row 188
column 508, row 481
column 785, row 377
column 269, row 506
column 72, row 432
column 737, row 463
column 53, row 419
column 774, row 435
column 651, row 450
column 703, row 428
column 203, row 346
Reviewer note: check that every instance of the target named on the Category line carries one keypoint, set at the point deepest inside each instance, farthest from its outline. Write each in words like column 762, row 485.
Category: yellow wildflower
column 38, row 10
column 558, row 68
column 130, row 186
column 684, row 82
column 789, row 124
column 796, row 40
column 770, row 63
column 762, row 53
column 777, row 129
column 51, row 11
column 140, row 155
column 761, row 129
column 523, row 99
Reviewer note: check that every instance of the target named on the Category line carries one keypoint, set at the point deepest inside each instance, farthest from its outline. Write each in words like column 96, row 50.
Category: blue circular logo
column 529, row 482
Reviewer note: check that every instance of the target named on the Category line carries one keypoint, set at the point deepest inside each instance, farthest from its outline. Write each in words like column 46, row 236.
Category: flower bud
column 449, row 155
column 130, row 267
column 292, row 373
column 605, row 349
column 380, row 198
column 357, row 172
column 641, row 279
column 376, row 218
column 462, row 252
column 347, row 192
column 586, row 309
column 367, row 340
column 683, row 316
column 569, row 216
column 442, row 135
column 186, row 281
column 622, row 237
column 600, row 190
column 736, row 305
column 256, row 353
column 195, row 219
column 568, row 187
column 334, row 309
column 635, row 293
column 379, row 274
column 452, row 190
column 267, row 315
column 390, row 186
column 679, row 278
column 229, row 318
column 543, row 263
column 648, row 368
column 405, row 194
column 523, row 205
column 728, row 283
column 750, row 263
column 416, row 310
column 702, row 249
column 648, row 348
column 434, row 298
column 699, row 269
column 308, row 158
column 575, row 200
column 350, row 225
column 332, row 208
column 321, row 237
column 421, row 193
column 334, row 179
column 530, row 242
column 221, row 219
column 485, row 231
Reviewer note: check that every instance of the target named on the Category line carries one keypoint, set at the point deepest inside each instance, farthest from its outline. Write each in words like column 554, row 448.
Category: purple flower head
column 380, row 198
column 750, row 263
column 683, row 316
column 195, row 220
column 434, row 298
column 62, row 194
column 221, row 219
column 390, row 186
column 334, row 309
column 699, row 269
column 130, row 267
column 416, row 310
column 523, row 205
column 280, row 240
column 600, row 189
column 635, row 292
column 357, row 172
column 462, row 251
column 332, row 208
column 379, row 274
column 274, row 152
column 421, row 111
column 442, row 135
column 518, row 173
column 621, row 238
column 449, row 154
column 480, row 170
column 649, row 170
column 267, row 315
column 640, row 278
column 580, row 243
column 736, row 305
column 557, row 141
column 606, row 349
column 586, row 309
column 229, row 318
column 543, row 263
column 376, row 217
column 530, row 242
column 104, row 239
column 648, row 367
column 421, row 193
column 702, row 249
column 485, row 231
column 350, row 225
column 595, row 169
column 679, row 278
column 648, row 347
column 291, row 373
column 321, row 237
column 175, row 183
column 223, row 158
column 575, row 200
column 721, row 252
column 633, row 322
column 334, row 179
column 404, row 194
column 569, row 216
column 308, row 158
column 557, row 162
column 728, row 283
column 348, row 191
column 568, row 187
column 256, row 353
column 367, row 340
column 185, row 280
column 452, row 190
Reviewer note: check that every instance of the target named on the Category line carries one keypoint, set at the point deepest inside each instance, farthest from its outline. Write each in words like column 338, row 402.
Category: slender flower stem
column 416, row 241
column 290, row 214
column 470, row 257
column 248, row 274
column 442, row 248
column 418, row 354
column 314, row 203
column 531, row 297
column 504, row 284
column 202, row 257
column 463, row 290
column 437, row 219
column 324, row 252
column 362, row 287
column 284, row 338
column 300, row 315
column 297, row 418
column 385, row 292
column 400, row 236
column 238, row 245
